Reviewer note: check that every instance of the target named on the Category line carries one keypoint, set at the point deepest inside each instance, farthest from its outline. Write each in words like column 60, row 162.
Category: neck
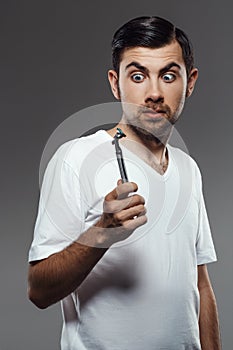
column 145, row 147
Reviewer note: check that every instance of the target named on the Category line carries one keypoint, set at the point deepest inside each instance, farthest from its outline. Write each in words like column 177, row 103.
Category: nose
column 154, row 92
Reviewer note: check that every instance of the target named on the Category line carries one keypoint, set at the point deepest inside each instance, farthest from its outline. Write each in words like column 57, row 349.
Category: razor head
column 119, row 134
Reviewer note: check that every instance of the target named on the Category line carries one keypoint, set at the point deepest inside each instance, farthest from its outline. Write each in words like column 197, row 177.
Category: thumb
column 119, row 182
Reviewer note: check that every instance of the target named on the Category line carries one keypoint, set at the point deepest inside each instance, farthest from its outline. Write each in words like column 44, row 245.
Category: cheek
column 131, row 92
column 178, row 104
column 176, row 96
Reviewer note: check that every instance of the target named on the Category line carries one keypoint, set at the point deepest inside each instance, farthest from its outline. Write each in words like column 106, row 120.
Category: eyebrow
column 146, row 70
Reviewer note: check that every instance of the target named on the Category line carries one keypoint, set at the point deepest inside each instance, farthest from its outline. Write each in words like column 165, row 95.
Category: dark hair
column 151, row 32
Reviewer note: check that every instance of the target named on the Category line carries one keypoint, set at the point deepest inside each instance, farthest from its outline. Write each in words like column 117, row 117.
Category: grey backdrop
column 53, row 62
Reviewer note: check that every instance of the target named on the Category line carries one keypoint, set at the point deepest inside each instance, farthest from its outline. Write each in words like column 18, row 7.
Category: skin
column 208, row 320
column 153, row 93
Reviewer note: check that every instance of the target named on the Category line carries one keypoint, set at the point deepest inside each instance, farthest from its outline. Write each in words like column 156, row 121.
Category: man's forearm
column 208, row 322
column 52, row 279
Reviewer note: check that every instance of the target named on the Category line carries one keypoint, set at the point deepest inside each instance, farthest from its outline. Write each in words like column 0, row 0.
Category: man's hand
column 122, row 214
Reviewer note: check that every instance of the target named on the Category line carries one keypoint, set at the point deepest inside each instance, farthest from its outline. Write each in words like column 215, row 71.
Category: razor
column 119, row 134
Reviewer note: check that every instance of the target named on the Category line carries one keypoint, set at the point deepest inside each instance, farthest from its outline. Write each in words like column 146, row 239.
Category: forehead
column 158, row 56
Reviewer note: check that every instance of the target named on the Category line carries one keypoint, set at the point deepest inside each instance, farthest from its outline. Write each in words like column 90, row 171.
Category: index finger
column 121, row 190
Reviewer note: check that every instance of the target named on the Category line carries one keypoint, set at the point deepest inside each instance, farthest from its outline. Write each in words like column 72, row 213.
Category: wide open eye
column 137, row 77
column 169, row 77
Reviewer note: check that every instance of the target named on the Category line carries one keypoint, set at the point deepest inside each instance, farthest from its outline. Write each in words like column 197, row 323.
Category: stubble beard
column 156, row 130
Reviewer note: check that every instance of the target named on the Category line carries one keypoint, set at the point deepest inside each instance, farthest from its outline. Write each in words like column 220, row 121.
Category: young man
column 128, row 262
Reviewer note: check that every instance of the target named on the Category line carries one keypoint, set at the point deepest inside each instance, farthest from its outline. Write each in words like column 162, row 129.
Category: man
column 128, row 262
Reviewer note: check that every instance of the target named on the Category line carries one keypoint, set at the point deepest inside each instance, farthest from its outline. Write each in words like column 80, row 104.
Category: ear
column 191, row 81
column 113, row 80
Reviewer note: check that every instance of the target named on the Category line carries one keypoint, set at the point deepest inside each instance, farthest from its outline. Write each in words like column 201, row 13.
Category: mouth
column 151, row 113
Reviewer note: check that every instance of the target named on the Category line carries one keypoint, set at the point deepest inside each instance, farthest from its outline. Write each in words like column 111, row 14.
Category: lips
column 157, row 113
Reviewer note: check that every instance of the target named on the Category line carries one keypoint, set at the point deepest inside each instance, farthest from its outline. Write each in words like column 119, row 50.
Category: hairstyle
column 151, row 32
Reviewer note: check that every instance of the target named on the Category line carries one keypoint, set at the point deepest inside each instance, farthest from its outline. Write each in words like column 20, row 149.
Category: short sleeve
column 205, row 250
column 60, row 218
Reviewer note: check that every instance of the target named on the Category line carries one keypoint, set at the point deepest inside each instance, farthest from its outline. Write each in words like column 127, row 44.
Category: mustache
column 155, row 108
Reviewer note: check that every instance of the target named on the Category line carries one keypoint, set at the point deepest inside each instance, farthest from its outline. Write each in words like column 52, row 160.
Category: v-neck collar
column 125, row 150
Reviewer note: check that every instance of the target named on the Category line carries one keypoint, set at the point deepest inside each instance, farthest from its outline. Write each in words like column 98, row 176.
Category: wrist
column 96, row 236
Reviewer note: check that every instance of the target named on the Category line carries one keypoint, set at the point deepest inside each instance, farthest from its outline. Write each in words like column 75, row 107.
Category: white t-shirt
column 143, row 293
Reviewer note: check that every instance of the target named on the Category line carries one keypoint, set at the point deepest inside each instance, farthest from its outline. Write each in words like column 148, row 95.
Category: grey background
column 53, row 62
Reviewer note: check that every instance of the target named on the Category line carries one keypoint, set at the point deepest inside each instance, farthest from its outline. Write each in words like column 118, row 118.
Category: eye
column 169, row 77
column 137, row 77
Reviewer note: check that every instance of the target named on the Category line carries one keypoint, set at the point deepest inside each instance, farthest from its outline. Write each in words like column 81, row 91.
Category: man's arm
column 53, row 278
column 208, row 321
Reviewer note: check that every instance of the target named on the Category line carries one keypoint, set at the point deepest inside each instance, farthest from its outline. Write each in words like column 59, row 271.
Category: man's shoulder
column 74, row 151
column 182, row 157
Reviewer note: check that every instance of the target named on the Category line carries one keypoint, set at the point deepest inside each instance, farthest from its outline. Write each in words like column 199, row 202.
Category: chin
column 156, row 134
